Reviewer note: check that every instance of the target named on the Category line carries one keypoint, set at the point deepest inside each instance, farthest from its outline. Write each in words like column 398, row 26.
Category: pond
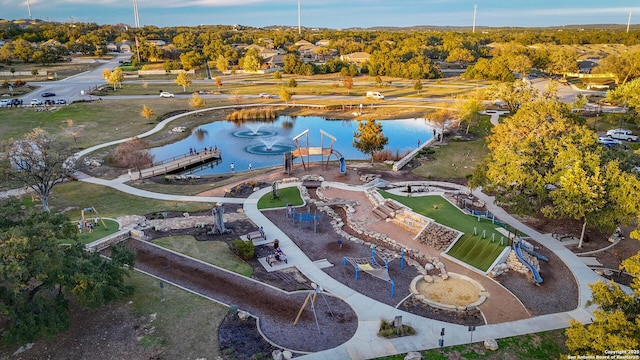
column 262, row 144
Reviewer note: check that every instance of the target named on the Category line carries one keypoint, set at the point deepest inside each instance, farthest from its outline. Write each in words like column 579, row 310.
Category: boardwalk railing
column 179, row 162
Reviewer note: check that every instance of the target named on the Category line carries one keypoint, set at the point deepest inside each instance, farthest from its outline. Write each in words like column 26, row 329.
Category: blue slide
column 343, row 163
column 536, row 275
column 536, row 254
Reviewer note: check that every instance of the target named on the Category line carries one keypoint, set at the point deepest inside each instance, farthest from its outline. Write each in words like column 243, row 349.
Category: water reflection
column 262, row 144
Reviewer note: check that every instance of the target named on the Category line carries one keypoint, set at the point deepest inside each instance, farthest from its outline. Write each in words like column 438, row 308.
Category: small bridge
column 178, row 163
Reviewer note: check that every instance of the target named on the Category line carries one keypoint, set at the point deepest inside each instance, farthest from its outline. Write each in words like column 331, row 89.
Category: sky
column 334, row 14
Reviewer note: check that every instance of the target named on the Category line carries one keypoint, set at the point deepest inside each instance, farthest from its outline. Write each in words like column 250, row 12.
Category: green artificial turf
column 472, row 249
column 288, row 195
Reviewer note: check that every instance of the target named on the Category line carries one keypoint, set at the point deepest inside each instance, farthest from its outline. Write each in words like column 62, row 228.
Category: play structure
column 218, row 220
column 312, row 295
column 519, row 247
column 305, row 149
column 304, row 217
column 84, row 222
column 372, row 267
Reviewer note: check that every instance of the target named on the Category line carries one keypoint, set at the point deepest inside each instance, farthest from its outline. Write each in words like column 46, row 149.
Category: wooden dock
column 179, row 163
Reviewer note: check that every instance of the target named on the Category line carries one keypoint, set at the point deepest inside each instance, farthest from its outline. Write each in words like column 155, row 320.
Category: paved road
column 71, row 88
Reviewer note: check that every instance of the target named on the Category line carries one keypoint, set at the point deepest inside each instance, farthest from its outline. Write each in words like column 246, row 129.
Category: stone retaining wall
column 383, row 243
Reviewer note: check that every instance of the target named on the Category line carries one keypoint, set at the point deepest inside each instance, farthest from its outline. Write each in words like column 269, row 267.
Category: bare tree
column 133, row 154
column 41, row 161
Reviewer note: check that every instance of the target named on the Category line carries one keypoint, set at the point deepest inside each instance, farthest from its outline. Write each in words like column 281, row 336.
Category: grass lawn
column 473, row 250
column 537, row 346
column 213, row 252
column 98, row 232
column 73, row 196
column 455, row 160
column 186, row 324
column 288, row 195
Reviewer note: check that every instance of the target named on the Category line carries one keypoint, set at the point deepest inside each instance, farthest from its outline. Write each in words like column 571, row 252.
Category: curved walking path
column 493, row 309
column 365, row 343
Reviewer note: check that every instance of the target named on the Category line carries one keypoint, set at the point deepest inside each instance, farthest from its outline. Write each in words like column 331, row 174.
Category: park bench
column 256, row 236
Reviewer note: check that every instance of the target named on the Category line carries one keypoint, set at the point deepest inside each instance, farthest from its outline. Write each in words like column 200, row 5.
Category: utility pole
column 136, row 19
column 475, row 9
column 299, row 25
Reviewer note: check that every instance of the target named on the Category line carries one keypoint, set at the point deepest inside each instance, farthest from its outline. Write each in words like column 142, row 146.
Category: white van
column 375, row 95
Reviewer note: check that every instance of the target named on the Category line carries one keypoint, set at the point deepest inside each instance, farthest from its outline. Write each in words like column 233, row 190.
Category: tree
column 218, row 83
column 369, row 137
column 146, row 112
column 468, row 110
column 133, row 154
column 191, row 60
column 347, row 82
column 540, row 159
column 277, row 75
column 440, row 118
column 292, row 83
column 378, row 80
column 514, row 94
column 116, row 77
column 624, row 66
column 222, row 64
column 183, row 79
column 252, row 60
column 563, row 60
column 106, row 73
column 73, row 130
column 417, row 86
column 616, row 323
column 285, row 95
column 39, row 277
column 626, row 95
column 41, row 161
column 196, row 101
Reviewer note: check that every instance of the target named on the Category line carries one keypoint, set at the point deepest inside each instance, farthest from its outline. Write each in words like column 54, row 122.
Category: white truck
column 622, row 134
column 375, row 95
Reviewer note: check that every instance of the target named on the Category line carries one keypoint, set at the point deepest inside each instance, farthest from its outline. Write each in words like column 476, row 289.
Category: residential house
column 357, row 58
column 111, row 47
column 157, row 42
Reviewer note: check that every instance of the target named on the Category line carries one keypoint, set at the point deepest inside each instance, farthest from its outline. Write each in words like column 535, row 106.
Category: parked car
column 61, row 101
column 166, row 94
column 622, row 134
column 47, row 94
column 265, row 96
column 16, row 102
column 609, row 142
column 5, row 102
column 49, row 102
column 35, row 102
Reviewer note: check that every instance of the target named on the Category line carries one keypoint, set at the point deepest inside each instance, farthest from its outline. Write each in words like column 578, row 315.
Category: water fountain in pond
column 269, row 147
column 254, row 131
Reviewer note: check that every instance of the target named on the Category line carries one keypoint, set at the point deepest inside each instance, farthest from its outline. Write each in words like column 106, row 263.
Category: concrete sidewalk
column 366, row 344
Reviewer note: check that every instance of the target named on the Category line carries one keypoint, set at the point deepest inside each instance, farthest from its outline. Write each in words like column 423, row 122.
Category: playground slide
column 536, row 275
column 536, row 254
column 343, row 163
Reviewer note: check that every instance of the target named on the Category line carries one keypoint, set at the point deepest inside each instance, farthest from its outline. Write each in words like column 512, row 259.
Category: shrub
column 244, row 249
column 387, row 330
